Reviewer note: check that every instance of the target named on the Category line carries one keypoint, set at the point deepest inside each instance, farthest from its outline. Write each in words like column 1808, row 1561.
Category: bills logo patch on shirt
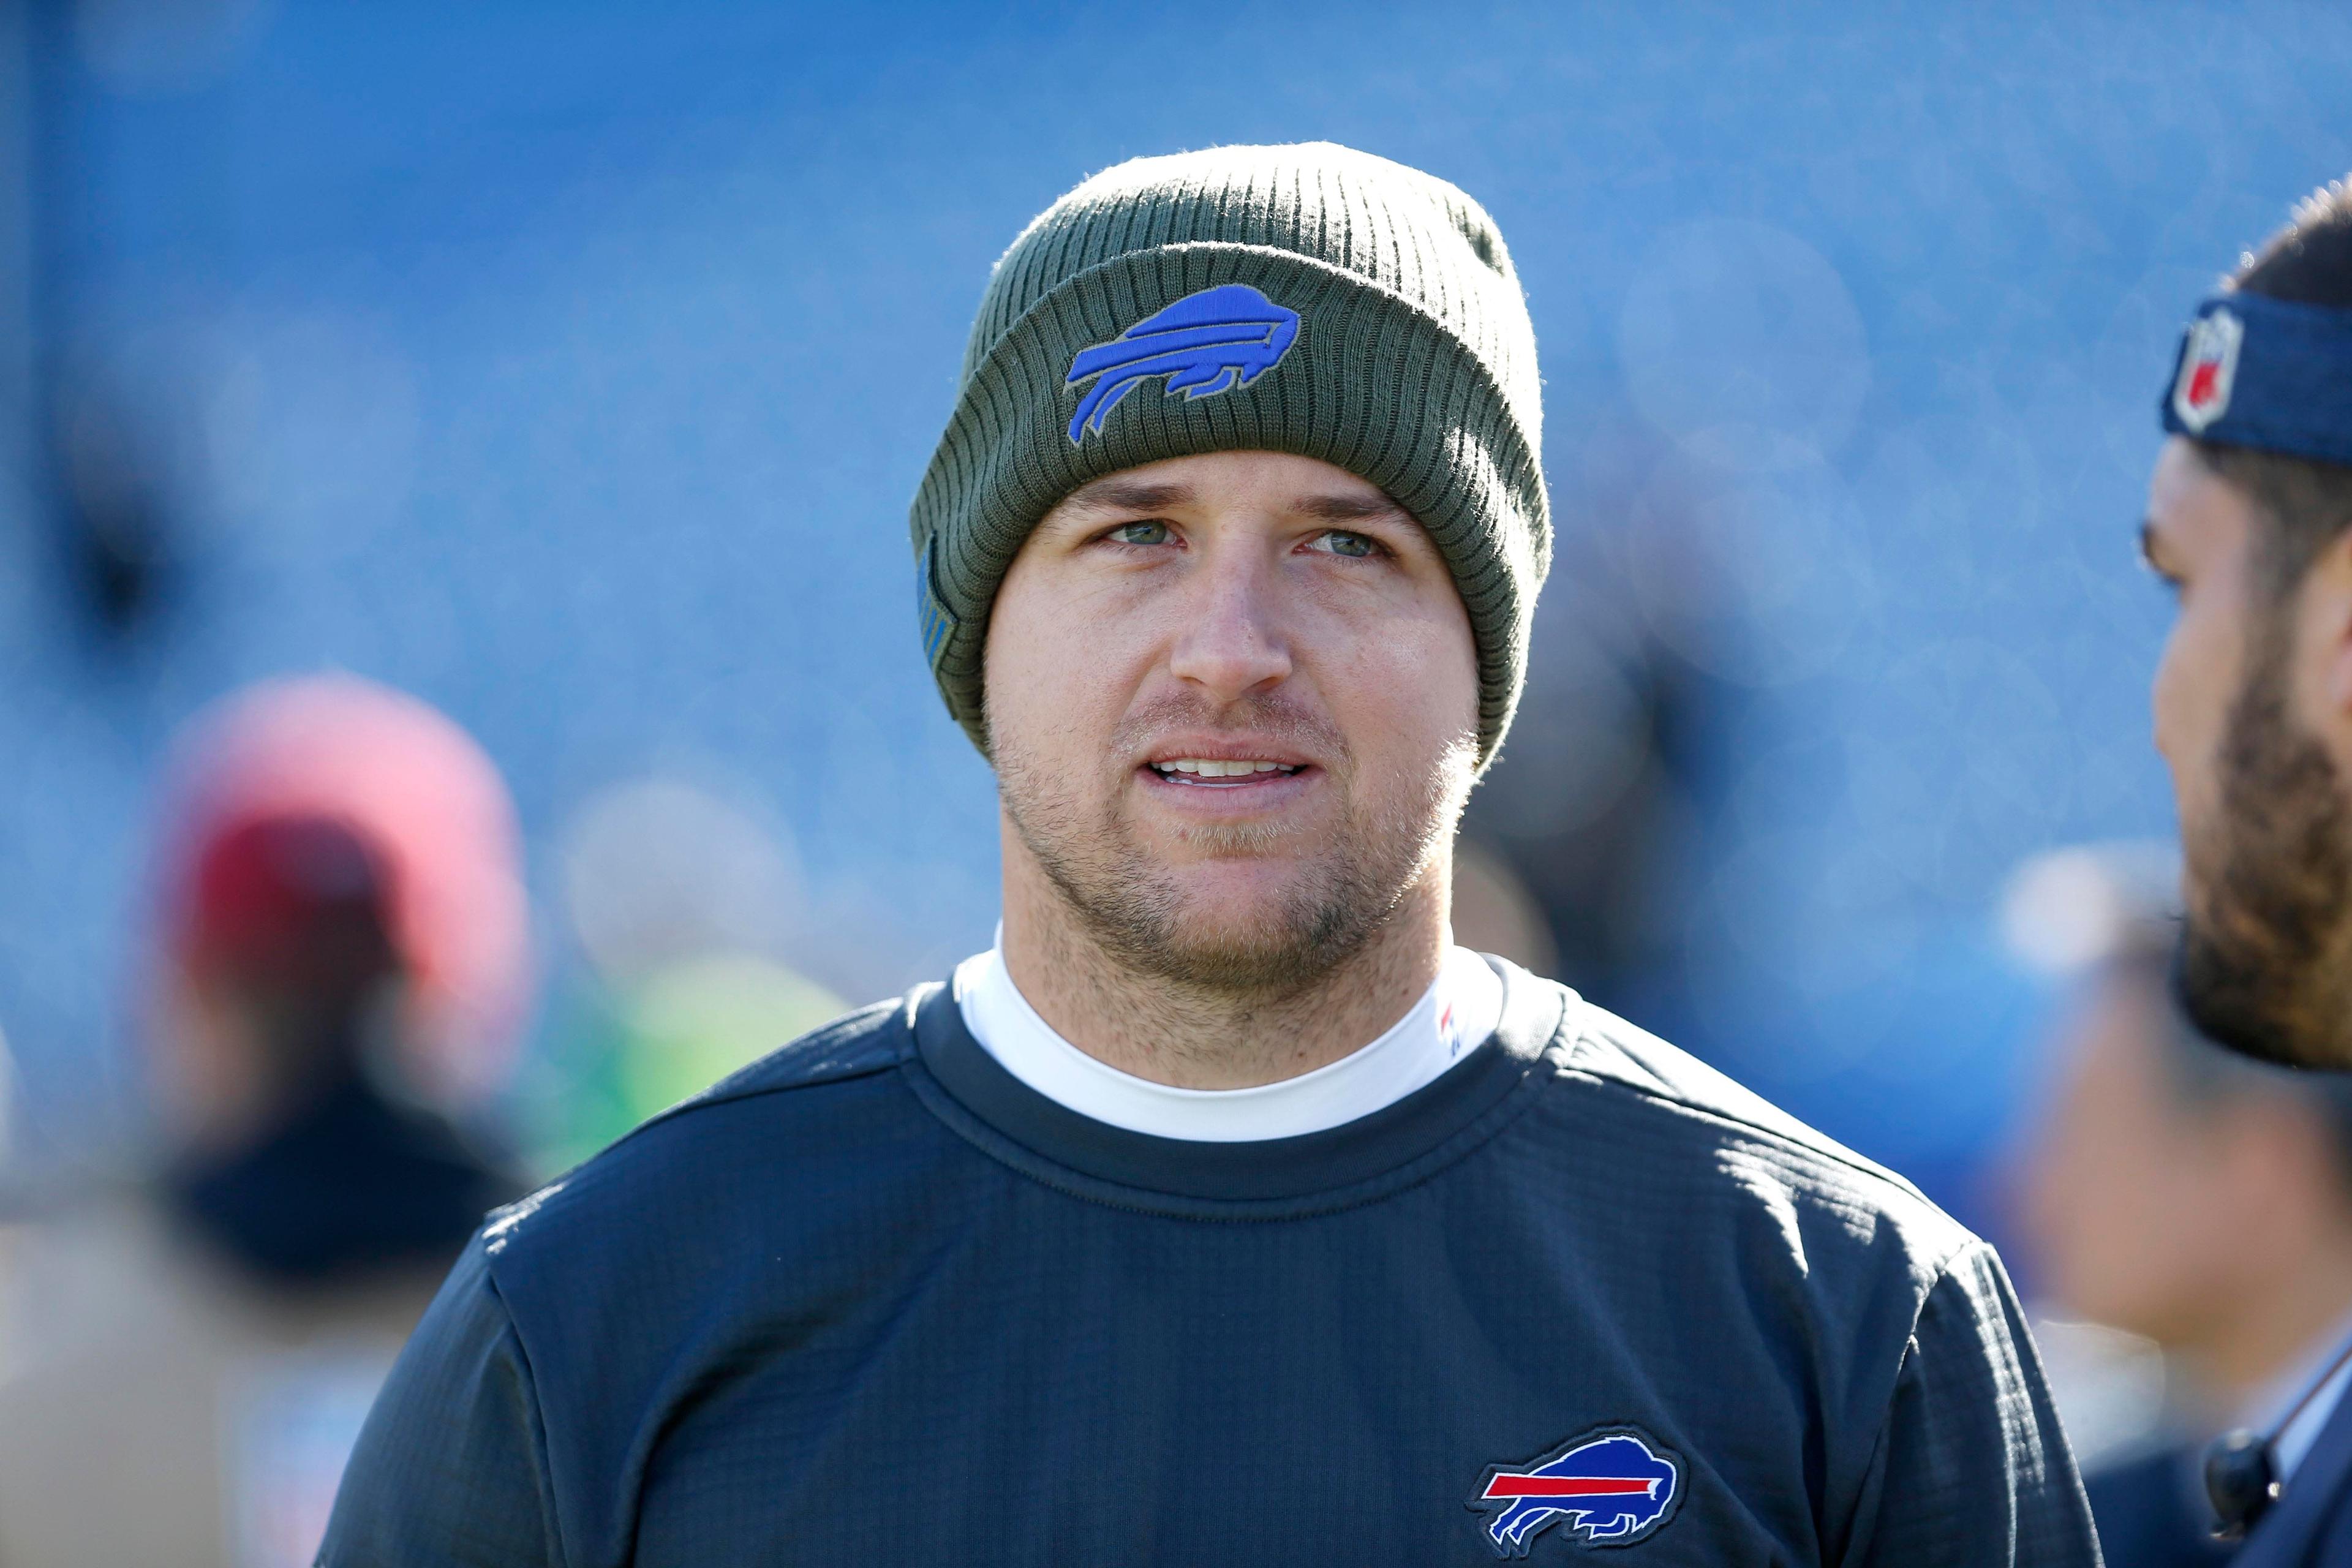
column 1612, row 1487
column 2208, row 368
column 1204, row 344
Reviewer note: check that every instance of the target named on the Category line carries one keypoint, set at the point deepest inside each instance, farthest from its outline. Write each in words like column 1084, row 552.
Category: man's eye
column 1339, row 542
column 1139, row 533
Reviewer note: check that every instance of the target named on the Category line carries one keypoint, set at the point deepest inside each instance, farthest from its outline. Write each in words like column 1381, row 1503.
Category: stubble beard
column 1138, row 911
column 2265, row 962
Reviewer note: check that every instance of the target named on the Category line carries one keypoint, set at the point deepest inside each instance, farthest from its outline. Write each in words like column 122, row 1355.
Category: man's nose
column 1232, row 642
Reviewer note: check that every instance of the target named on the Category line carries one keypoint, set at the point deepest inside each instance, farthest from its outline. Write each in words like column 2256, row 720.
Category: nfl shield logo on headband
column 2208, row 366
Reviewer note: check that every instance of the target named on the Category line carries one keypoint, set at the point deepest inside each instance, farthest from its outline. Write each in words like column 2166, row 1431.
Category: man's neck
column 1200, row 1037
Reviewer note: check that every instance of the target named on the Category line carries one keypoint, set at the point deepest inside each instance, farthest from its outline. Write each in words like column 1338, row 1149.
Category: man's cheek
column 2196, row 790
column 2166, row 696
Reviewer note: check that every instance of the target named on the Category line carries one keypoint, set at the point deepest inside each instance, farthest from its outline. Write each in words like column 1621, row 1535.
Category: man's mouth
column 1221, row 772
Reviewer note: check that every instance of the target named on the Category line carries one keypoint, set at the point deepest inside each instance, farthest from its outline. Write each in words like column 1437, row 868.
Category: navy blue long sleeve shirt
column 875, row 1300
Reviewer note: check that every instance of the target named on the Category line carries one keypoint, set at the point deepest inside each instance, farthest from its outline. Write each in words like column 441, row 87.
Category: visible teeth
column 1212, row 768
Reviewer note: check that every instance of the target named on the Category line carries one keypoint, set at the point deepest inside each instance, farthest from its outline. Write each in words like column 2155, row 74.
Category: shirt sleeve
column 1971, row 1467
column 451, row 1467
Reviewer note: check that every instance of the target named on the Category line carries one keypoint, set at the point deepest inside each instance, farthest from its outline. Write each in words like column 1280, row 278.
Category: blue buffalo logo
column 1609, row 1489
column 1204, row 344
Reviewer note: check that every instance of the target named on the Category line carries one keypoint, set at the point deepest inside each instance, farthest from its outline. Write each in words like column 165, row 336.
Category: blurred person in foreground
column 2185, row 1194
column 340, row 946
column 2250, row 518
column 1226, row 1211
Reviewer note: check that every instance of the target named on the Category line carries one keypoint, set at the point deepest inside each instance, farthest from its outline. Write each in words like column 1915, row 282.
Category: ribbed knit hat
column 1307, row 298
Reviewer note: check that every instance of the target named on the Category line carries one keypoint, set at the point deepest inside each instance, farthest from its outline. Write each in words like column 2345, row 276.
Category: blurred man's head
column 2248, row 514
column 2180, row 1192
column 287, row 962
column 338, row 891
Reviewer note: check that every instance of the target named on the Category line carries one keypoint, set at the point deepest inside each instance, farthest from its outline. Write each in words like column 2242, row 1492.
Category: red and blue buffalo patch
column 1610, row 1487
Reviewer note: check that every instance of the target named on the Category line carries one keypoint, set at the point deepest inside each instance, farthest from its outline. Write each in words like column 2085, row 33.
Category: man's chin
column 2239, row 1000
column 1229, row 950
column 1240, row 929
column 2268, row 935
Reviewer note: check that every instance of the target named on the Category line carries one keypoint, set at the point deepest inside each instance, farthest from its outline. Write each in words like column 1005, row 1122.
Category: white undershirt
column 1457, row 1012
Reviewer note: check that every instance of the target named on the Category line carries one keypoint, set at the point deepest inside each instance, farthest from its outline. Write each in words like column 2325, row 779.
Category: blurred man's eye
column 1147, row 532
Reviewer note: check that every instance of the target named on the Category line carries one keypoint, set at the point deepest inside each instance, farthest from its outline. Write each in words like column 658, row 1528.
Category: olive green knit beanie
column 1306, row 298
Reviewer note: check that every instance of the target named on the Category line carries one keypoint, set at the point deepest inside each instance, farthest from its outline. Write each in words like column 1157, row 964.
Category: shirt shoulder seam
column 729, row 1090
column 552, row 1516
column 1818, row 1148
column 1942, row 1272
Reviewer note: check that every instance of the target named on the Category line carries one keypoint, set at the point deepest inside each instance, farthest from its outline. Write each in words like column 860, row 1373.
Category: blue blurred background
column 572, row 367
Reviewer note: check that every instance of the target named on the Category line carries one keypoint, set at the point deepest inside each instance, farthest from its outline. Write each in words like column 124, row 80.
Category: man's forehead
column 1128, row 492
column 2178, row 469
column 2189, row 504
column 1265, row 480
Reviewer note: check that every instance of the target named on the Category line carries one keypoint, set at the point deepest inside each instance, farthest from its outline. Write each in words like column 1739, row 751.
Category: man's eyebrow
column 1347, row 508
column 2149, row 541
column 1115, row 494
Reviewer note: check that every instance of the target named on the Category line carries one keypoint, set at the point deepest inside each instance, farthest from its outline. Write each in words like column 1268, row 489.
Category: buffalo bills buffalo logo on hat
column 1204, row 344
column 1612, row 1487
column 2208, row 368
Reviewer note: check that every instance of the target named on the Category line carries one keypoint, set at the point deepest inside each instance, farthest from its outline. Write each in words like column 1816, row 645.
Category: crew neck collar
column 1459, row 1010
column 1267, row 1178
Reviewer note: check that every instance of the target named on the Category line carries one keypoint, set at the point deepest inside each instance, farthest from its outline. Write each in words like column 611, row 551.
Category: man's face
column 2240, row 710
column 1233, row 703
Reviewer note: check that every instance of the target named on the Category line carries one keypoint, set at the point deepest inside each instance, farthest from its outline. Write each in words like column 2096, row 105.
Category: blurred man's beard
column 2263, row 954
column 1139, row 911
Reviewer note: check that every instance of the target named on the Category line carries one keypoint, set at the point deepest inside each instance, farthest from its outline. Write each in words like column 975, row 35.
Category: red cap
column 298, row 900
column 299, row 807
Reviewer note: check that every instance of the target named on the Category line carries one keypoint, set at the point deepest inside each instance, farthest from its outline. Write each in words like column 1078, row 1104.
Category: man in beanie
column 1224, row 1212
column 2250, row 518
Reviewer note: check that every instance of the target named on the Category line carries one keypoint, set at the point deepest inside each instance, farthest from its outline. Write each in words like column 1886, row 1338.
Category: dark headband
column 2266, row 374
